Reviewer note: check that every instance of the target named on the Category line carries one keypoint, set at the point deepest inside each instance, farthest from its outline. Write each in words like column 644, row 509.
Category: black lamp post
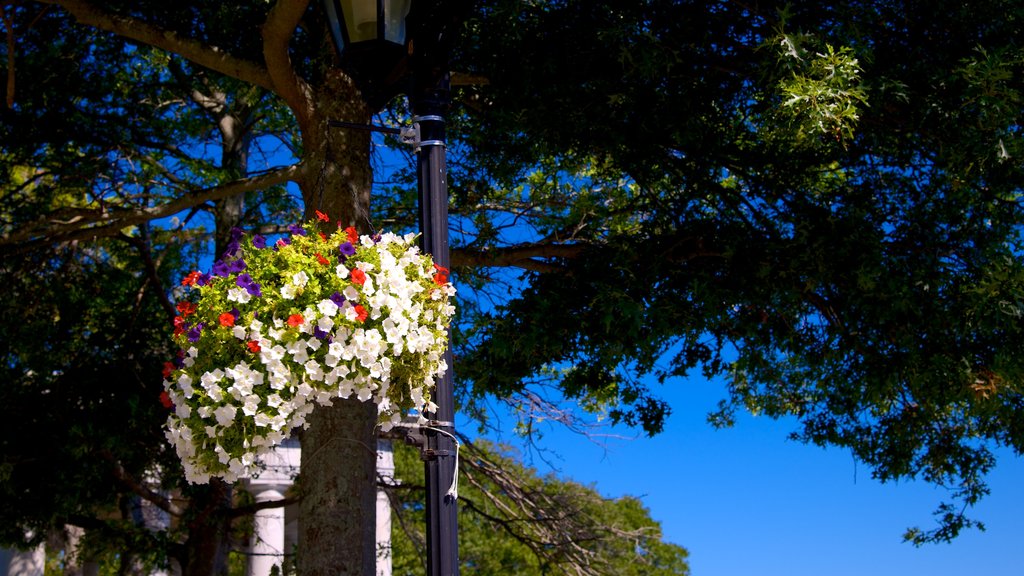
column 391, row 46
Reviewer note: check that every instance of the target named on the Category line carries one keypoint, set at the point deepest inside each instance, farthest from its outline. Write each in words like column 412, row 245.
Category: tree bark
column 337, row 522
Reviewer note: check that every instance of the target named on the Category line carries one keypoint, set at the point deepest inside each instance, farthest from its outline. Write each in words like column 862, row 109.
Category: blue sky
column 748, row 501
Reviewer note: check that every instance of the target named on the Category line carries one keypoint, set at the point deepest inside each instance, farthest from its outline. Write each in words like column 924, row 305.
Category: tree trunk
column 337, row 523
column 206, row 550
column 337, row 520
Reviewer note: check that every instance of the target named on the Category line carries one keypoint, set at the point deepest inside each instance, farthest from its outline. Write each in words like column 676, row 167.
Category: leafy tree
column 515, row 521
column 818, row 202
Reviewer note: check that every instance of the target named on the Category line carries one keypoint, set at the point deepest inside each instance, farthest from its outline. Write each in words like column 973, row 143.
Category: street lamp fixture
column 389, row 47
column 372, row 39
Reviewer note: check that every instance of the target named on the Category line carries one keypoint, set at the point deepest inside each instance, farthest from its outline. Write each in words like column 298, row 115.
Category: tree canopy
column 818, row 202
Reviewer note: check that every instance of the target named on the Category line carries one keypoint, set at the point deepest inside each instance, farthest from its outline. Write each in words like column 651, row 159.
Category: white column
column 267, row 546
column 385, row 475
column 22, row 562
column 269, row 543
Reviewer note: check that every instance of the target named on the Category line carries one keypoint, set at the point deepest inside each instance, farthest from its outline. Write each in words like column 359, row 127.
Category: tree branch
column 527, row 256
column 97, row 222
column 134, row 29
column 251, row 509
column 277, row 33
column 126, row 480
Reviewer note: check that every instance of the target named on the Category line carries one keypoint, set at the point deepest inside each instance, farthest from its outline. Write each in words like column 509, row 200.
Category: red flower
column 168, row 369
column 322, row 236
column 295, row 320
column 353, row 236
column 322, row 260
column 179, row 325
column 440, row 279
column 165, row 399
column 253, row 345
column 227, row 319
column 358, row 276
column 361, row 313
column 322, row 217
column 440, row 268
column 186, row 308
column 191, row 279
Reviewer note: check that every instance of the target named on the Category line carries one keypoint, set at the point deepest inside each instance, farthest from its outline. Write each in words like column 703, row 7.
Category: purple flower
column 375, row 238
column 317, row 332
column 220, row 268
column 338, row 299
column 259, row 241
column 203, row 279
column 195, row 332
column 346, row 249
column 296, row 229
column 231, row 250
column 245, row 281
column 236, row 265
column 236, row 313
column 233, row 246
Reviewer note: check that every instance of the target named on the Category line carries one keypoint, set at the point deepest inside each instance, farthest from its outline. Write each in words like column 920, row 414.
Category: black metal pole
column 429, row 108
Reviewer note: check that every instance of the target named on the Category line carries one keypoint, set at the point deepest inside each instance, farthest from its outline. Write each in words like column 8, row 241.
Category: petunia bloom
column 253, row 346
column 322, row 217
column 179, row 325
column 322, row 260
column 191, row 279
column 220, row 268
column 186, row 308
column 361, row 313
column 353, row 236
column 358, row 276
column 227, row 319
column 295, row 320
column 337, row 299
column 259, row 241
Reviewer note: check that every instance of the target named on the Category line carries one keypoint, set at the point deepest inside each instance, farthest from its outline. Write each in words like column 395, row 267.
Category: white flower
column 225, row 414
column 300, row 278
column 351, row 294
column 313, row 343
column 314, row 371
column 342, row 271
column 325, row 323
column 239, row 295
column 328, row 308
column 289, row 291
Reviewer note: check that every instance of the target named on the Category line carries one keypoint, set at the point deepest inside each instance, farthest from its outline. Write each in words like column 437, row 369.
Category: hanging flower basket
column 274, row 330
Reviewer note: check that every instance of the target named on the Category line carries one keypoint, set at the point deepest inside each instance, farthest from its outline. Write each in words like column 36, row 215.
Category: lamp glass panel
column 395, row 12
column 360, row 19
